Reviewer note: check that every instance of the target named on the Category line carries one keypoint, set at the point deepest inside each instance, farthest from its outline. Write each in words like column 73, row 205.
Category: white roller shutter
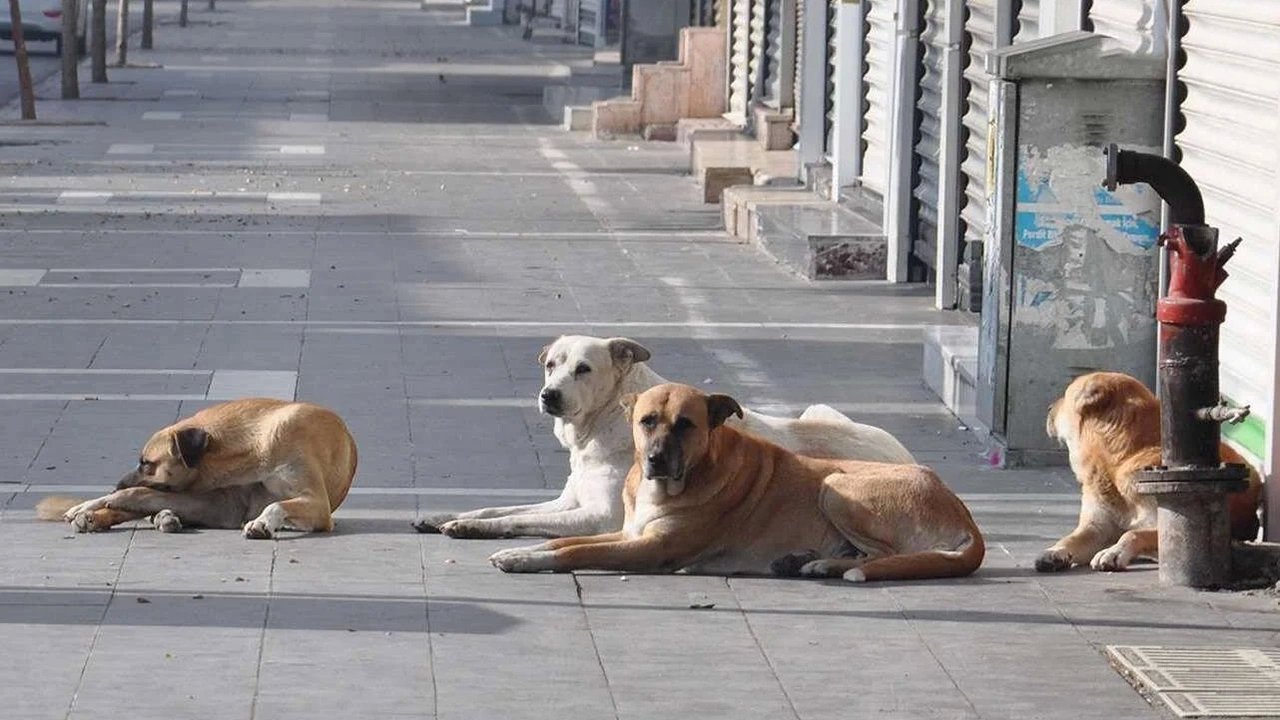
column 1132, row 22
column 739, row 54
column 1230, row 145
column 756, row 60
column 878, row 89
column 933, row 42
column 1028, row 21
column 980, row 33
column 797, row 68
column 779, row 54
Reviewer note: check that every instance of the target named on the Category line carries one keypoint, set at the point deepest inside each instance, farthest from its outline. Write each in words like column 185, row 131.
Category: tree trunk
column 182, row 14
column 122, row 33
column 148, row 21
column 70, row 47
column 98, row 40
column 24, row 68
column 211, row 4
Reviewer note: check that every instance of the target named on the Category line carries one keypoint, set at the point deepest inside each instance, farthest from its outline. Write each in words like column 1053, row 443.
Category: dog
column 1110, row 425
column 707, row 498
column 256, row 464
column 584, row 378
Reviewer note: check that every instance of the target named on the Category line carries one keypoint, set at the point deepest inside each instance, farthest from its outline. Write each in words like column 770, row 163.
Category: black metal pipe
column 1167, row 178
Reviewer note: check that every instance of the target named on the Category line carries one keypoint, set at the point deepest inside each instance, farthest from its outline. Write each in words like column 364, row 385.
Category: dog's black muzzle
column 551, row 401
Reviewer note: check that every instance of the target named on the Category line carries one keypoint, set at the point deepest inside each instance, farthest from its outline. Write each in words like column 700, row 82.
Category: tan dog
column 1110, row 423
column 705, row 497
column 259, row 464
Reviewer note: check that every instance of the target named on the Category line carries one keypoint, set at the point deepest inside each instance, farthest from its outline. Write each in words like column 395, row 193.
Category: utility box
column 1071, row 273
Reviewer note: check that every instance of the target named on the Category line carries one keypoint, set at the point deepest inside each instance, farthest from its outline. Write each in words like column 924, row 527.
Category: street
column 363, row 204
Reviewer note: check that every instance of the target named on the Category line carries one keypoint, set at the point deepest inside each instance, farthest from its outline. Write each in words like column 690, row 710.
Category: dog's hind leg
column 1133, row 544
column 579, row 521
column 432, row 523
column 306, row 514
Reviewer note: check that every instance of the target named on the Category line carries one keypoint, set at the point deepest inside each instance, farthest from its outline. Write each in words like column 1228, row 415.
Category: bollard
column 1192, row 483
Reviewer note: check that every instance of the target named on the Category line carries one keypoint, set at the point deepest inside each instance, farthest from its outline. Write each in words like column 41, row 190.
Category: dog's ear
column 626, row 351
column 542, row 354
column 628, row 403
column 191, row 444
column 720, row 407
column 1095, row 395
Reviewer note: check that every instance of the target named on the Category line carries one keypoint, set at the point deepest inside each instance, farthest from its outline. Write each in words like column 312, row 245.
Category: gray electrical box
column 651, row 30
column 1072, row 271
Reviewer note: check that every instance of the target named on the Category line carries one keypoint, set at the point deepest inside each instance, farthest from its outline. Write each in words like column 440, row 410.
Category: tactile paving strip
column 1206, row 682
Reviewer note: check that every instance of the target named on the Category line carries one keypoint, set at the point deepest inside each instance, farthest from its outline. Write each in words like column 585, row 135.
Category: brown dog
column 257, row 464
column 707, row 498
column 1110, row 423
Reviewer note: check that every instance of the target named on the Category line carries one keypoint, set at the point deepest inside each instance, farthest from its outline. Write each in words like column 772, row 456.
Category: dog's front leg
column 125, row 505
column 1134, row 543
column 432, row 523
column 305, row 513
column 579, row 521
column 1092, row 534
column 648, row 553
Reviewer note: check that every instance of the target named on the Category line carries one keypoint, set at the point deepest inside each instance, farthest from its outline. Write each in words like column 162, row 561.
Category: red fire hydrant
column 1191, row 484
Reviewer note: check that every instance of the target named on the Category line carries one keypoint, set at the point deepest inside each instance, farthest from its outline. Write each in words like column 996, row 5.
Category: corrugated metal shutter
column 980, row 33
column 755, row 63
column 1028, row 21
column 933, row 43
column 772, row 92
column 797, row 76
column 878, row 90
column 1230, row 144
column 828, row 132
column 1132, row 22
column 739, row 53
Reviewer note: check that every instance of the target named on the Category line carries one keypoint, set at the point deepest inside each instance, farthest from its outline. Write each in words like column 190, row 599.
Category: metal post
column 24, row 67
column 1192, row 483
column 148, row 17
column 211, row 6
column 98, row 40
column 182, row 14
column 122, row 33
column 70, row 50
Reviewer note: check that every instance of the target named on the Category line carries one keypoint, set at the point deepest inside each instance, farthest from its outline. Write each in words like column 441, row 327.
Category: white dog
column 585, row 380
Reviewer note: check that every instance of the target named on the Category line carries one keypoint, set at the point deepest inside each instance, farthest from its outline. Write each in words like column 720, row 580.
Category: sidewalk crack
column 755, row 639
column 262, row 636
column 97, row 631
column 595, row 647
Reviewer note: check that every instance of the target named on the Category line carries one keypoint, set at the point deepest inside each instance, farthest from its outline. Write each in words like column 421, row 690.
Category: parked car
column 42, row 20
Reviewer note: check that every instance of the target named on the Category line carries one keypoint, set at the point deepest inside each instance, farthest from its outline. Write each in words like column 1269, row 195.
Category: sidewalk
column 361, row 203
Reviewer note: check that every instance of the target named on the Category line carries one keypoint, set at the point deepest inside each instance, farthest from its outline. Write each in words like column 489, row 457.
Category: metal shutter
column 1230, row 145
column 829, row 119
column 796, row 68
column 775, row 78
column 980, row 33
column 755, row 63
column 933, row 43
column 739, row 52
column 1130, row 21
column 878, row 90
column 1028, row 21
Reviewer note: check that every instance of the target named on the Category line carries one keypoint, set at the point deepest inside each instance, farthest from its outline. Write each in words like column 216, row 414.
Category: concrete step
column 718, row 162
column 711, row 128
column 484, row 15
column 951, row 369
column 822, row 241
column 556, row 98
column 741, row 203
column 577, row 118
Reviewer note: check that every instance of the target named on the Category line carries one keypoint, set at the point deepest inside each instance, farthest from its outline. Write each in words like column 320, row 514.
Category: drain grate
column 1203, row 682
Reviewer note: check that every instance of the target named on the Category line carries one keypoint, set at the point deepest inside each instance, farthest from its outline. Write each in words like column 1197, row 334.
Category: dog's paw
column 166, row 522
column 83, row 523
column 468, row 529
column 522, row 560
column 820, row 568
column 1053, row 560
column 1110, row 559
column 855, row 575
column 431, row 523
column 789, row 565
column 257, row 530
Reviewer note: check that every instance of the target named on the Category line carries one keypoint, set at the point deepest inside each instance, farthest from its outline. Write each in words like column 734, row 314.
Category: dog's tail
column 52, row 507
